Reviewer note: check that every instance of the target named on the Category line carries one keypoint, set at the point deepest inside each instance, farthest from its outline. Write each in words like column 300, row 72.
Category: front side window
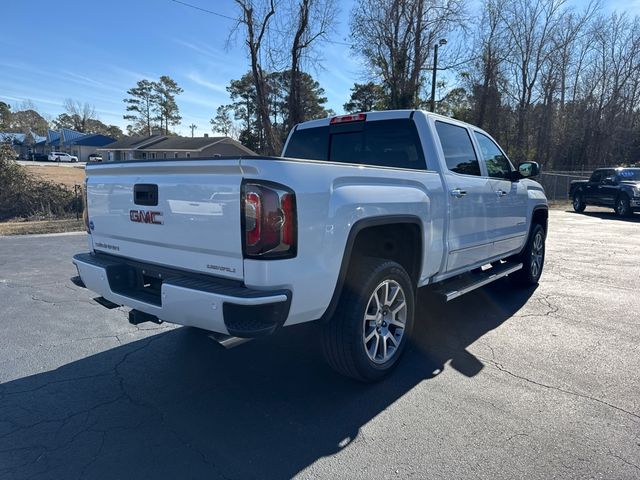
column 458, row 150
column 596, row 176
column 498, row 166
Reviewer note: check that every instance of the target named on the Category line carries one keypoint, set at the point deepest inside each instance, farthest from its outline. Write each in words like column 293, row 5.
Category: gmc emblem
column 143, row 216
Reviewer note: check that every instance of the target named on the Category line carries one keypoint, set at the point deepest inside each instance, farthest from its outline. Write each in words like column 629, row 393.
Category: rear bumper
column 185, row 298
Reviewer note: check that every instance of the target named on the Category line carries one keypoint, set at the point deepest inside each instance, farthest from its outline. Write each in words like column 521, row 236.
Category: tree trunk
column 295, row 112
column 271, row 143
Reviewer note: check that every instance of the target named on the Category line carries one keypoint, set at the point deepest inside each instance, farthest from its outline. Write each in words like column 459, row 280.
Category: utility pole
column 193, row 127
column 443, row 41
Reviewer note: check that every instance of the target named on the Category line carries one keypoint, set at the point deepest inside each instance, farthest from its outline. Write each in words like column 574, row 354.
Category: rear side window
column 458, row 149
column 387, row 143
column 311, row 143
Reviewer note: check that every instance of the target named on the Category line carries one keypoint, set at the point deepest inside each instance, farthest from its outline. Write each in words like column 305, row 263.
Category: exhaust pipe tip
column 227, row 341
column 136, row 317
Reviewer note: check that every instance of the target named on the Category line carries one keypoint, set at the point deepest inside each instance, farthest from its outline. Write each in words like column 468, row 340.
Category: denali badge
column 221, row 268
column 144, row 216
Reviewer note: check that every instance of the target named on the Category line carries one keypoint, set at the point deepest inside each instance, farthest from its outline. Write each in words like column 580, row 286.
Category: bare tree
column 313, row 21
column 256, row 26
column 530, row 25
column 395, row 38
column 83, row 112
column 490, row 43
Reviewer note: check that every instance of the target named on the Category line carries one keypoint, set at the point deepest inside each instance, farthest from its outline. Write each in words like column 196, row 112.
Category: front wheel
column 369, row 331
column 532, row 258
column 578, row 202
column 623, row 206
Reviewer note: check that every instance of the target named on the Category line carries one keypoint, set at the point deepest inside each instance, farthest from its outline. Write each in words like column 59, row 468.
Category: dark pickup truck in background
column 618, row 188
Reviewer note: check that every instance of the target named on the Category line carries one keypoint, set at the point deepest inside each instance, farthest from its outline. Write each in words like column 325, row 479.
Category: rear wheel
column 532, row 258
column 368, row 333
column 578, row 202
column 622, row 207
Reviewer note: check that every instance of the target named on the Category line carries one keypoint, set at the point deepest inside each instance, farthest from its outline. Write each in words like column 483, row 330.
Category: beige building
column 158, row 147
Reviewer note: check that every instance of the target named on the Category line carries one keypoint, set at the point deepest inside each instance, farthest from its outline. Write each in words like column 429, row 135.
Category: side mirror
column 608, row 181
column 528, row 169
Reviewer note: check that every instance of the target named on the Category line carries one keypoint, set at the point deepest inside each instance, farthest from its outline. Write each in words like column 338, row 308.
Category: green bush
column 24, row 196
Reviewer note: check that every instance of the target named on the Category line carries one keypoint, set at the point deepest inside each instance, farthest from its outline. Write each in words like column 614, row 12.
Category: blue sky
column 94, row 51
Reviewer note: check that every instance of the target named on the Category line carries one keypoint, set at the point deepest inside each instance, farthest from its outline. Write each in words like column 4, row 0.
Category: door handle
column 501, row 193
column 458, row 193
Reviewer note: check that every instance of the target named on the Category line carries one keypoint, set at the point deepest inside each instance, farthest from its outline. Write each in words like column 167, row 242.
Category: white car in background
column 62, row 157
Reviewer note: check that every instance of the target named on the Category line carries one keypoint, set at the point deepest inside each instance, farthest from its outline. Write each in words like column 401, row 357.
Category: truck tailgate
column 184, row 214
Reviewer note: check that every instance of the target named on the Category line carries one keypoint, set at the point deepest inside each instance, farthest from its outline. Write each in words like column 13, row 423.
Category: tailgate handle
column 145, row 194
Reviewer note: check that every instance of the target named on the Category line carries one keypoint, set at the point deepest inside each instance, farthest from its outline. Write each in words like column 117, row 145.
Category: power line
column 204, row 10
column 195, row 7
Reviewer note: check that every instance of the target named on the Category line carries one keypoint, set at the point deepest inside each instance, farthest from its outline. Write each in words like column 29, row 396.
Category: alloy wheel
column 384, row 321
column 537, row 252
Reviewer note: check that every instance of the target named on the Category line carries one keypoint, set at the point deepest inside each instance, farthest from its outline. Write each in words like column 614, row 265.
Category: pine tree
column 141, row 104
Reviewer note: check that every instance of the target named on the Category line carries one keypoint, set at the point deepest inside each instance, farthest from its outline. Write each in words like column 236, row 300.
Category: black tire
column 623, row 206
column 578, row 202
column 343, row 336
column 532, row 259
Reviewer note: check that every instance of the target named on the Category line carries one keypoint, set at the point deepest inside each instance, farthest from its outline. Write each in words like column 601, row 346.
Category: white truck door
column 506, row 201
column 468, row 238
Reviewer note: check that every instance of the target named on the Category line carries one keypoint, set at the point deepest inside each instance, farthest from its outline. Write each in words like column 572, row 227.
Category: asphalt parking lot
column 500, row 384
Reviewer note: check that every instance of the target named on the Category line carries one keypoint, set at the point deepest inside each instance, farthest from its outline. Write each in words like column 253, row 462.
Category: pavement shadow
column 176, row 405
column 606, row 215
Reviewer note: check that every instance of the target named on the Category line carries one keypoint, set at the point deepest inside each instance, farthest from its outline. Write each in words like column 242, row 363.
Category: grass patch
column 41, row 226
column 68, row 176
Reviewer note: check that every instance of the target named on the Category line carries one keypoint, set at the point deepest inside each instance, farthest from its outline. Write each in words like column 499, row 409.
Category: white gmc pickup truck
column 359, row 212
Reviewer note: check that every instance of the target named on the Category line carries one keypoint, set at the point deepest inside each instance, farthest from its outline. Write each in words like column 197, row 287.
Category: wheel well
column 541, row 217
column 400, row 242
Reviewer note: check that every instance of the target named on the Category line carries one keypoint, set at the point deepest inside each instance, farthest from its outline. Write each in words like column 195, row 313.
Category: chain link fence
column 556, row 184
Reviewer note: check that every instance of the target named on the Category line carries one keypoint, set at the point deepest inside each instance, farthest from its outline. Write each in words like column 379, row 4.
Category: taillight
column 269, row 221
column 252, row 215
column 288, row 209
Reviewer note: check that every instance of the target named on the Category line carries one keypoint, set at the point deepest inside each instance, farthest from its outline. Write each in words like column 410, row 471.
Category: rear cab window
column 458, row 150
column 388, row 143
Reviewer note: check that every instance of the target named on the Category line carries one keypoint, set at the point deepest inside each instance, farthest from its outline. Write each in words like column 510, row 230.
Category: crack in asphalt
column 124, row 394
column 96, row 456
column 500, row 367
column 517, row 435
column 4, row 394
column 552, row 310
column 57, row 303
column 158, row 412
column 624, row 460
